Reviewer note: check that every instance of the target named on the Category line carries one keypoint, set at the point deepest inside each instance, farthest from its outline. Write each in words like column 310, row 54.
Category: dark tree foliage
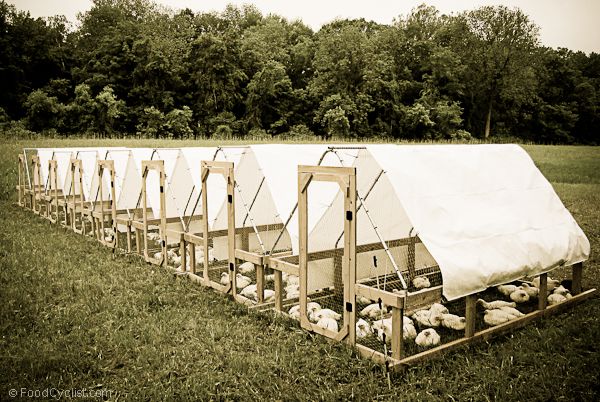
column 132, row 67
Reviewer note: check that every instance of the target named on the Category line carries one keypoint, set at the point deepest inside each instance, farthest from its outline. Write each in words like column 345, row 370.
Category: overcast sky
column 574, row 24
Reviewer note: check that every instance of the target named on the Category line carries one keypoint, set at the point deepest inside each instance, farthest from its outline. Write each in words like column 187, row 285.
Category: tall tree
column 497, row 46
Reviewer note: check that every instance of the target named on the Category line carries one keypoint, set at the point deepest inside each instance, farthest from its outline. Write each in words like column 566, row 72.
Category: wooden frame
column 77, row 202
column 226, row 169
column 100, row 216
column 52, row 205
column 159, row 167
column 346, row 179
column 37, row 196
column 22, row 189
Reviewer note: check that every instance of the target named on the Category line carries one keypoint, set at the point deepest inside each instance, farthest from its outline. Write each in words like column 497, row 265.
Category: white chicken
column 506, row 290
column 408, row 329
column 551, row 283
column 327, row 313
column 421, row 282
column 383, row 327
column 496, row 317
column 495, row 304
column 453, row 321
column 373, row 311
column 269, row 295
column 556, row 298
column 292, row 291
column 246, row 268
column 328, row 323
column 311, row 310
column 561, row 290
column 363, row 300
column 426, row 318
column 532, row 291
column 292, row 280
column 241, row 281
column 224, row 278
column 512, row 311
column 250, row 292
column 519, row 296
column 437, row 308
column 427, row 338
column 363, row 329
column 294, row 312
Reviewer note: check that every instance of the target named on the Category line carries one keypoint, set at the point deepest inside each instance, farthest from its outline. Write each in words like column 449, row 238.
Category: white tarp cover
column 485, row 212
column 278, row 163
column 132, row 181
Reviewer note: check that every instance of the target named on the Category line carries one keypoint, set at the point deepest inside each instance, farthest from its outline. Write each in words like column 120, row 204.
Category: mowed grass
column 73, row 315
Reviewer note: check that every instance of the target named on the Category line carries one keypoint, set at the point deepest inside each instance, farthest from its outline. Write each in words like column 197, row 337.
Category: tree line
column 132, row 67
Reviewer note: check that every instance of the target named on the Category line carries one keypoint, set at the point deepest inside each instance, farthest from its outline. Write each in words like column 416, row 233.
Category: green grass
column 72, row 315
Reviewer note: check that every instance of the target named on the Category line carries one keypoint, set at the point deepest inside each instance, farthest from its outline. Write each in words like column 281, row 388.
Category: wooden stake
column 470, row 315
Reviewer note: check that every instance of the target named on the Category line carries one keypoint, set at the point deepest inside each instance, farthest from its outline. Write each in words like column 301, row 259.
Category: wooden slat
column 470, row 315
column 280, row 265
column 397, row 328
column 364, row 248
column 543, row 292
column 577, row 278
column 256, row 259
column 489, row 333
column 391, row 299
column 424, row 297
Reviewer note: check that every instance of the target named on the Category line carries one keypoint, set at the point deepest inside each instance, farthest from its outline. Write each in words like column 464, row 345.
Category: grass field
column 73, row 316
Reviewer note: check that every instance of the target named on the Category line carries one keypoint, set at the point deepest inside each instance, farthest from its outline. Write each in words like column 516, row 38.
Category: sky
column 573, row 24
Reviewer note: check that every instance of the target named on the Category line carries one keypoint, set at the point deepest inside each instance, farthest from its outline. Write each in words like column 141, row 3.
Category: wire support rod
column 239, row 190
column 381, row 240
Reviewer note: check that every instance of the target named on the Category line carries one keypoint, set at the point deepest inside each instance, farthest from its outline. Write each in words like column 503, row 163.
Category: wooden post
column 129, row 234
column 231, row 228
column 303, row 181
column 192, row 251
column 397, row 329
column 543, row 292
column 20, row 182
column 470, row 315
column 260, row 283
column 576, row 287
column 279, row 293
column 36, row 182
column 183, row 252
column 144, row 213
column 226, row 169
column 349, row 260
column 163, row 216
column 204, row 172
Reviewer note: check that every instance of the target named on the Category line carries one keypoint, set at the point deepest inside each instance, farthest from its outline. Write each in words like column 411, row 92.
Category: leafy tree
column 32, row 52
column 269, row 97
column 497, row 47
column 80, row 113
column 108, row 110
column 178, row 122
column 43, row 111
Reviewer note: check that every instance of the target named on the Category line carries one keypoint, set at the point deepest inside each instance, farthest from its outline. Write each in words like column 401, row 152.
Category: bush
column 299, row 132
column 461, row 135
column 222, row 132
column 178, row 123
column 258, row 134
column 16, row 130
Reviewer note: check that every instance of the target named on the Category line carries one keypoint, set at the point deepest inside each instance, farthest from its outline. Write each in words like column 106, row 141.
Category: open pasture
column 74, row 316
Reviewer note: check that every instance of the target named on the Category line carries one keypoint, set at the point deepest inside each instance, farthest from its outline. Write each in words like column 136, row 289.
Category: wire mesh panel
column 390, row 258
column 219, row 242
column 153, row 223
column 327, row 275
